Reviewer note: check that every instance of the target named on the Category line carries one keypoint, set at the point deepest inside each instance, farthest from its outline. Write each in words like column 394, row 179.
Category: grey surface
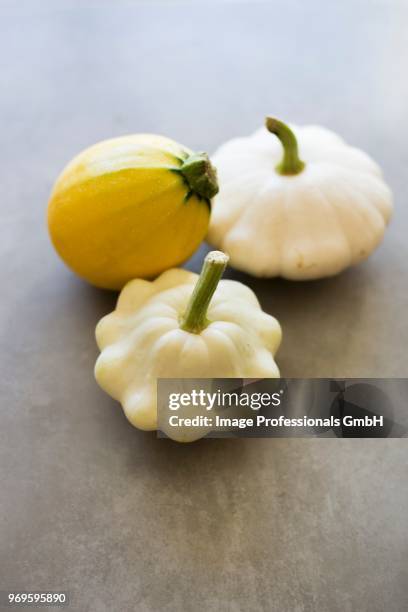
column 122, row 520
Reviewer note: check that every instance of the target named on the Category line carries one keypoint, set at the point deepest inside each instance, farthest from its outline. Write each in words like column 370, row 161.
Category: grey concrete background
column 124, row 521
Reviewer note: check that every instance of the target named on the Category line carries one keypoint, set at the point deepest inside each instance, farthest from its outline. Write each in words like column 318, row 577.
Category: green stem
column 195, row 319
column 291, row 163
column 200, row 175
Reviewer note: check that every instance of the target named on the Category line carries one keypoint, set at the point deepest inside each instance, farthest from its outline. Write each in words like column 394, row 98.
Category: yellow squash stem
column 200, row 175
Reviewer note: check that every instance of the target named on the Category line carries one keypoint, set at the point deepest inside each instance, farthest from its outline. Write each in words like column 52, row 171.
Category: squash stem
column 200, row 175
column 291, row 163
column 195, row 319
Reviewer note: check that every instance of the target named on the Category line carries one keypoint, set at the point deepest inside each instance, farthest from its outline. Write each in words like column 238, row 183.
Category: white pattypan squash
column 182, row 325
column 320, row 208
